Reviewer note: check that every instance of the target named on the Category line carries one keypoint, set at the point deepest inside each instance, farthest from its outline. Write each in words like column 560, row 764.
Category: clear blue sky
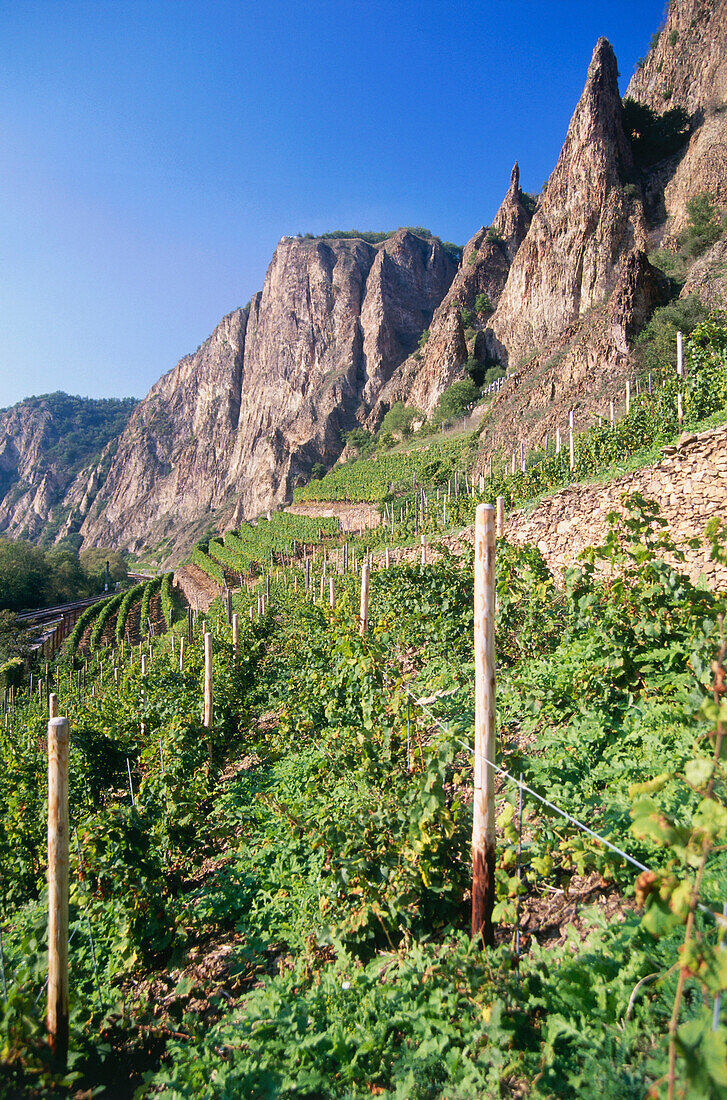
column 154, row 152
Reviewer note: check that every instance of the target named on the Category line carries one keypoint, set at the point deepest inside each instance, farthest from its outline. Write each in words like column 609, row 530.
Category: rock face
column 232, row 429
column 486, row 261
column 556, row 288
column 688, row 68
column 585, row 222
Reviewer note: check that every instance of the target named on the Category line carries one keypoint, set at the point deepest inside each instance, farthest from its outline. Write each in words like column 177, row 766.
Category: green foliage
column 493, row 236
column 656, row 343
column 131, row 596
column 32, row 577
column 454, row 401
column 318, row 471
column 360, row 439
column 399, row 420
column 423, row 337
column 109, row 608
column 167, row 597
column 85, row 619
column 705, row 225
column 150, row 590
column 208, row 566
column 654, row 136
column 14, row 639
column 483, row 304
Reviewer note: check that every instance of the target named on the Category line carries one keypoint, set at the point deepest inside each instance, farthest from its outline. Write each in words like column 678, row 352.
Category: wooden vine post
column 364, row 616
column 424, row 549
column 500, row 527
column 236, row 635
column 208, row 680
column 181, row 654
column 571, row 443
column 57, row 1015
column 332, row 592
column 483, row 823
column 680, row 373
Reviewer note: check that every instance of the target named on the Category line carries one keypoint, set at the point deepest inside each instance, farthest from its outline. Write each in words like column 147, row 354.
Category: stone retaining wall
column 689, row 484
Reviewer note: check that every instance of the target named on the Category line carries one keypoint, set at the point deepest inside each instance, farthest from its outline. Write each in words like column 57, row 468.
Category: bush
column 399, row 419
column 656, row 345
column 454, row 400
column 483, row 304
column 705, row 226
column 654, row 136
column 362, row 440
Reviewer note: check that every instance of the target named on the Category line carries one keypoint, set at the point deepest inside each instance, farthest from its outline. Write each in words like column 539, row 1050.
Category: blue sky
column 154, row 152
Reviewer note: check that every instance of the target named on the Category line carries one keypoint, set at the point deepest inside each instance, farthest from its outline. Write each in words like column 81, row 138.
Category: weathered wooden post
column 571, row 442
column 57, row 1015
column 500, row 526
column 388, row 557
column 143, row 674
column 208, row 680
column 557, row 441
column 680, row 374
column 190, row 624
column 483, row 822
column 228, row 604
column 332, row 592
column 52, row 705
column 522, row 457
column 181, row 654
column 613, row 416
column 364, row 616
column 628, row 397
column 236, row 635
column 424, row 549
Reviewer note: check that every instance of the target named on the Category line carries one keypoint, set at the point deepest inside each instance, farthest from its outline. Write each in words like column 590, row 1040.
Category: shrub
column 362, row 440
column 656, row 344
column 483, row 304
column 399, row 419
column 706, row 225
column 654, row 136
column 454, row 400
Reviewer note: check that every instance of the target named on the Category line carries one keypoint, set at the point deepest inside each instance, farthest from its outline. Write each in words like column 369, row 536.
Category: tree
column 399, row 419
column 454, row 400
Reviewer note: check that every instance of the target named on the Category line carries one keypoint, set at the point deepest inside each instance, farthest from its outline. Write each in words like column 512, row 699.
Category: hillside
column 277, row 902
column 55, row 451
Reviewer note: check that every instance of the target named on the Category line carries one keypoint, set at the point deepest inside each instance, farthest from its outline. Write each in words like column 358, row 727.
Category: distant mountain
column 54, row 453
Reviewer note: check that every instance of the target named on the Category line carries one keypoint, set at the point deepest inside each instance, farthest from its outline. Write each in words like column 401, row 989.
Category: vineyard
column 277, row 903
column 651, row 420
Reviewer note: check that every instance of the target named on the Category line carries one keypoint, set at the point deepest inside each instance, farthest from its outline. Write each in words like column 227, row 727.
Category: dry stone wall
column 689, row 484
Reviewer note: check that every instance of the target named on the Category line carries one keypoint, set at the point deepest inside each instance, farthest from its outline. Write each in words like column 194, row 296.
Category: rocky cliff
column 486, row 261
column 687, row 67
column 232, row 429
